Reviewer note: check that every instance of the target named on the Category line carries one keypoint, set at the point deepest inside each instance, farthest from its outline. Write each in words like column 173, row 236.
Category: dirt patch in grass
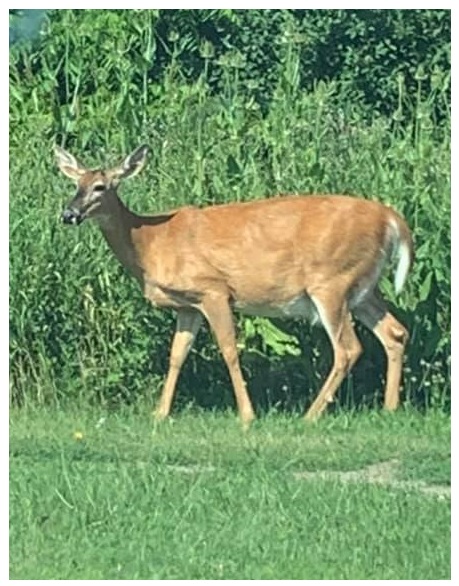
column 384, row 473
column 190, row 468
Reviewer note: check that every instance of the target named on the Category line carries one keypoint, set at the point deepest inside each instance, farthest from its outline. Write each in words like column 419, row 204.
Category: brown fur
column 318, row 257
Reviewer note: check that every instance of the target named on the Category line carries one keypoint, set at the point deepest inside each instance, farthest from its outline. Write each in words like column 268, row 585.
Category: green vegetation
column 236, row 105
column 197, row 499
column 103, row 81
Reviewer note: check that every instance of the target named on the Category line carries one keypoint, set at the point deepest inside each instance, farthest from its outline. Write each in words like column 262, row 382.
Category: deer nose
column 71, row 216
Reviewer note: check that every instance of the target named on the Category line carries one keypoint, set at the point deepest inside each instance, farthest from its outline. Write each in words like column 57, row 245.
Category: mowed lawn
column 95, row 495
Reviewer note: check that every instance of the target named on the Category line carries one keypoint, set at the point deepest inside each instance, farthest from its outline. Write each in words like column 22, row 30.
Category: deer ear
column 68, row 164
column 132, row 164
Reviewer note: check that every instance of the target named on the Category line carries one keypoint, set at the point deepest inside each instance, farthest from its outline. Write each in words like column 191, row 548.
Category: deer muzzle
column 72, row 216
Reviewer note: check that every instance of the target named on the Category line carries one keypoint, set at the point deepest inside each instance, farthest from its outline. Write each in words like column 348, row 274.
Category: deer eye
column 98, row 188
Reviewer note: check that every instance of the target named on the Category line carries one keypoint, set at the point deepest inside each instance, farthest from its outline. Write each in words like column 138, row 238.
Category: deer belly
column 298, row 307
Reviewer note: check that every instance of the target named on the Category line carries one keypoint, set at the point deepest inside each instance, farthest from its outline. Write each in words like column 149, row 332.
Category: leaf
column 424, row 289
column 275, row 339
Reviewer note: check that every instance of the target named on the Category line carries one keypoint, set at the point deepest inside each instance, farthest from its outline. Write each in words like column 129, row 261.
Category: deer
column 313, row 257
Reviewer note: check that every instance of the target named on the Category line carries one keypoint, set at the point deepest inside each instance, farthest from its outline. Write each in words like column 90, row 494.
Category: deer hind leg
column 393, row 337
column 220, row 318
column 337, row 321
column 188, row 323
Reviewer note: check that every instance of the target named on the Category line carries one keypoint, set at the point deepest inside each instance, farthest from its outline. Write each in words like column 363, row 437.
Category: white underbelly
column 298, row 307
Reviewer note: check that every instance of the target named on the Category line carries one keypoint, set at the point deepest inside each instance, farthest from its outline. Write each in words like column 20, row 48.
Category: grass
column 95, row 495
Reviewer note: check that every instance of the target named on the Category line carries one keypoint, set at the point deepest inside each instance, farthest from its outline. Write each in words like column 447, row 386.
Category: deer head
column 95, row 187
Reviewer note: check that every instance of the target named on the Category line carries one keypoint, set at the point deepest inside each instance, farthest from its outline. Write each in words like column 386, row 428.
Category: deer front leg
column 220, row 318
column 188, row 324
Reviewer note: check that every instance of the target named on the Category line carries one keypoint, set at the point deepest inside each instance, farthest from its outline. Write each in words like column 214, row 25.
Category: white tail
column 316, row 257
column 404, row 256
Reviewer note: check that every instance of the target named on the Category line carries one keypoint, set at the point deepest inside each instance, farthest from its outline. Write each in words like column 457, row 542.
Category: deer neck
column 118, row 224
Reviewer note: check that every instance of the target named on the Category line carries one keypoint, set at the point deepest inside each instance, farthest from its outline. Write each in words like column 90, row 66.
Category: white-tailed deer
column 314, row 257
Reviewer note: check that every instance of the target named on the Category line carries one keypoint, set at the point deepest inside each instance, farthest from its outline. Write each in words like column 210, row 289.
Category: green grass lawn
column 95, row 495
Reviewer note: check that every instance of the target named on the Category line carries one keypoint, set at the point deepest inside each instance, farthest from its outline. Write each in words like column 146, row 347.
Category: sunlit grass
column 113, row 496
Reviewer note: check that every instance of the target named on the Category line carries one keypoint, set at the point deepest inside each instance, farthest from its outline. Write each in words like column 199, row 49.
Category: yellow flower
column 78, row 436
